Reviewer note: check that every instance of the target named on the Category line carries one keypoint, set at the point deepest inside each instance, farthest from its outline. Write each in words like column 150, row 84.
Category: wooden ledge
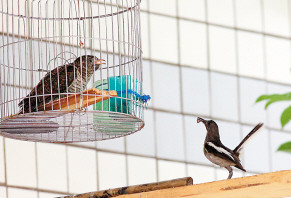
column 276, row 184
column 135, row 189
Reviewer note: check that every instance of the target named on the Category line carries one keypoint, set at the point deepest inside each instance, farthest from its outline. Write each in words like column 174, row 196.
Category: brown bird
column 69, row 78
column 219, row 154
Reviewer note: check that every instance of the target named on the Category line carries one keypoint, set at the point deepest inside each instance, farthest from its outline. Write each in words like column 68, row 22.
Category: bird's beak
column 200, row 120
column 100, row 62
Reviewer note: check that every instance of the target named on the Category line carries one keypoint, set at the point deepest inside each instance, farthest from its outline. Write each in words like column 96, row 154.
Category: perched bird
column 219, row 154
column 69, row 78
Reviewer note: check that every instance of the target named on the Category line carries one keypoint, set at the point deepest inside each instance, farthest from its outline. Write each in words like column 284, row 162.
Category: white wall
column 201, row 58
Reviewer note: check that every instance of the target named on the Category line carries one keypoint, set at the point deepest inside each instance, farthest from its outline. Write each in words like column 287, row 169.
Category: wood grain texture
column 79, row 100
column 136, row 189
column 276, row 184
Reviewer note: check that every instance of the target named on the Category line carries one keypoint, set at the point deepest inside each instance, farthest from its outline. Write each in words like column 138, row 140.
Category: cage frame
column 132, row 61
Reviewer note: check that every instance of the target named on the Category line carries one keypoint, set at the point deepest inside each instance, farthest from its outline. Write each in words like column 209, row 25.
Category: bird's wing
column 53, row 82
column 66, row 77
column 58, row 79
column 240, row 146
column 219, row 150
column 237, row 160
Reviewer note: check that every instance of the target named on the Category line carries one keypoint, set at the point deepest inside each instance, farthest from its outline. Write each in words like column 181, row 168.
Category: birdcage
column 71, row 70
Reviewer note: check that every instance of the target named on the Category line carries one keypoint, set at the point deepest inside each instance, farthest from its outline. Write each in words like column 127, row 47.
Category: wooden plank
column 276, row 184
column 136, row 189
column 75, row 101
column 79, row 100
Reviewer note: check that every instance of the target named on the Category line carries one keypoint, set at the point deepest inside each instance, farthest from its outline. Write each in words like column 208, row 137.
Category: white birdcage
column 53, row 86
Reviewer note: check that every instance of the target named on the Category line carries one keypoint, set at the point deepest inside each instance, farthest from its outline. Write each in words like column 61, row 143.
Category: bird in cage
column 69, row 78
column 219, row 154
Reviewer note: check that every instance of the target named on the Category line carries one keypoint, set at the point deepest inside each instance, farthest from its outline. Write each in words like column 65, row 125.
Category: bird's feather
column 213, row 148
column 54, row 82
column 238, row 149
column 221, row 150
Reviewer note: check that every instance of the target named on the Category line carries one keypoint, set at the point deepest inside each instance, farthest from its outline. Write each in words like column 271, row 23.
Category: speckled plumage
column 69, row 78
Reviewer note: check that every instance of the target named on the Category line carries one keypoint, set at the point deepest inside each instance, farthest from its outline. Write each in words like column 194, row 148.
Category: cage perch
column 80, row 100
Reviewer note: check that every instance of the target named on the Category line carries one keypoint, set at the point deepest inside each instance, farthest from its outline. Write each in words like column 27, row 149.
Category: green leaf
column 263, row 97
column 286, row 147
column 274, row 98
column 286, row 116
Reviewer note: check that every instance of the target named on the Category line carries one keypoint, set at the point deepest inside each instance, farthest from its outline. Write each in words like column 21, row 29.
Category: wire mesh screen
column 71, row 70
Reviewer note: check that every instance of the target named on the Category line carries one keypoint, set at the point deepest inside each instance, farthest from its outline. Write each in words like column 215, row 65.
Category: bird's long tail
column 240, row 146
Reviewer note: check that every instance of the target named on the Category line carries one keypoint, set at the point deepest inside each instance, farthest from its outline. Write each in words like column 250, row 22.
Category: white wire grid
column 39, row 36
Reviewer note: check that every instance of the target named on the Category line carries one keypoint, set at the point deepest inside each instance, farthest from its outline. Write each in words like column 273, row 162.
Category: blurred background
column 203, row 58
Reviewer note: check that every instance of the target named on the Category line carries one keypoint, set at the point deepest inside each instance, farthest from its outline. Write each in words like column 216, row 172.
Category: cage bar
column 71, row 70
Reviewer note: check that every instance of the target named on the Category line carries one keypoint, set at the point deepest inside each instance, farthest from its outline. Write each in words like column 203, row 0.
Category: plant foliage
column 286, row 115
column 286, row 147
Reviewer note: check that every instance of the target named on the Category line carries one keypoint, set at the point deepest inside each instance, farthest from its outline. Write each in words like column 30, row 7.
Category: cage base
column 68, row 127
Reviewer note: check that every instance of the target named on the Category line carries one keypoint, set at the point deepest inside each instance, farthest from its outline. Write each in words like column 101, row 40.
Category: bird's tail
column 240, row 146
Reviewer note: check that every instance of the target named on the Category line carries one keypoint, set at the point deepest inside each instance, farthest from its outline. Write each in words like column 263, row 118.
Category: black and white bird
column 219, row 154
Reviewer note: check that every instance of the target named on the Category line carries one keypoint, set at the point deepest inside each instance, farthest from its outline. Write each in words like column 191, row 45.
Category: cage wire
column 71, row 70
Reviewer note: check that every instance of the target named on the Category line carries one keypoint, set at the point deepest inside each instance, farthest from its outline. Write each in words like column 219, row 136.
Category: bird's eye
column 91, row 61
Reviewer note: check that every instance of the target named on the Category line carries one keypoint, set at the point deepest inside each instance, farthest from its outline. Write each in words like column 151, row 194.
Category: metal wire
column 43, row 45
